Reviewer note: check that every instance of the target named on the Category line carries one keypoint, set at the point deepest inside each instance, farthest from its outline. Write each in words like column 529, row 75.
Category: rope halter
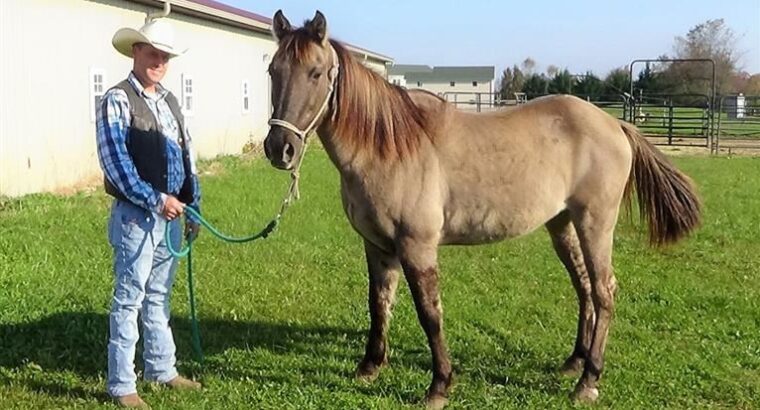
column 293, row 191
column 330, row 90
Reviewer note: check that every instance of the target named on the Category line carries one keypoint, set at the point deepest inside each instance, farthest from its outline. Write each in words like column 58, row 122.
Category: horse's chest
column 371, row 224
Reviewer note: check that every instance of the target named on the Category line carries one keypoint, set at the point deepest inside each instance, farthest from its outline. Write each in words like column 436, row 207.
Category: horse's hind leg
column 567, row 246
column 383, row 279
column 595, row 226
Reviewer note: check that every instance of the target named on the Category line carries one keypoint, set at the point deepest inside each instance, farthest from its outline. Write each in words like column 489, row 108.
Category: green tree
column 561, row 83
column 589, row 85
column 512, row 81
column 535, row 85
column 617, row 82
column 650, row 81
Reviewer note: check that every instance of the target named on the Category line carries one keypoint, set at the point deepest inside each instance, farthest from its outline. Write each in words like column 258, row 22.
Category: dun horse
column 416, row 173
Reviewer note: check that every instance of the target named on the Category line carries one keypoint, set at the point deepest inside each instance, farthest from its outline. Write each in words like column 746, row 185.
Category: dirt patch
column 87, row 185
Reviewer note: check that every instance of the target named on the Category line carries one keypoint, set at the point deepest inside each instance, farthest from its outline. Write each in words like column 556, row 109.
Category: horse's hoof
column 435, row 402
column 367, row 372
column 573, row 366
column 583, row 394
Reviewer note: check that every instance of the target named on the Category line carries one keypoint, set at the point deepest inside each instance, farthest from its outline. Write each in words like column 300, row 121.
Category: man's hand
column 173, row 208
column 191, row 230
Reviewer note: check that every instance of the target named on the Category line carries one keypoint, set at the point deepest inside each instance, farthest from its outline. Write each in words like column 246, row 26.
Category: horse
column 416, row 173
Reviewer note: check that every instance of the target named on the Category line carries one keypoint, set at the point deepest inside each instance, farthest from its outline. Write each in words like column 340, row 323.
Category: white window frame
column 97, row 89
column 245, row 94
column 188, row 93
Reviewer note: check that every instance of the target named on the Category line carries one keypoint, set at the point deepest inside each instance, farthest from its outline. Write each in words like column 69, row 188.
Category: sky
column 580, row 35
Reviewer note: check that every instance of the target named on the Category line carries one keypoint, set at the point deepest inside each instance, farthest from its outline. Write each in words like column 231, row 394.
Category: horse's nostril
column 288, row 152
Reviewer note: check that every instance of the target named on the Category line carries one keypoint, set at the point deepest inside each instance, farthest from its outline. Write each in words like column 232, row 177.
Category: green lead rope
column 291, row 195
column 187, row 251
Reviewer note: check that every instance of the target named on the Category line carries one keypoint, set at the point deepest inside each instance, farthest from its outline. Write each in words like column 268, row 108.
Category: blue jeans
column 144, row 273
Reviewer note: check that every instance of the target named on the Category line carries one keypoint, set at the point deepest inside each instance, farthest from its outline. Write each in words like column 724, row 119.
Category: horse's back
column 509, row 172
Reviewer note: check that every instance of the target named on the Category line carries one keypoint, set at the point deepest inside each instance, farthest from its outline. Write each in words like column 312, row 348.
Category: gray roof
column 423, row 73
column 402, row 69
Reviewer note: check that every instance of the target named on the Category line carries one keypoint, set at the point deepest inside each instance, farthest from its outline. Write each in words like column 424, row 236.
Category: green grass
column 284, row 319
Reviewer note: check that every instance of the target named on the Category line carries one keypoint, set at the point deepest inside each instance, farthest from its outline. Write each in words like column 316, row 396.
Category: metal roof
column 423, row 73
column 233, row 16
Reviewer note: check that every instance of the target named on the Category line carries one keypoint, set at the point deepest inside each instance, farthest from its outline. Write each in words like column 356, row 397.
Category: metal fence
column 474, row 101
column 738, row 123
column 692, row 120
column 673, row 119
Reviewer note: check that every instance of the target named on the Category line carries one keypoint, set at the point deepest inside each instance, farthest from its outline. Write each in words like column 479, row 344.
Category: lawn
column 284, row 319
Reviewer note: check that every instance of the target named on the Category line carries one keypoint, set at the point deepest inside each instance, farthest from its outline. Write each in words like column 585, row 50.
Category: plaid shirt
column 113, row 121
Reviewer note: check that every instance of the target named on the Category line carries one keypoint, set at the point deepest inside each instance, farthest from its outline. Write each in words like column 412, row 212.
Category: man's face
column 150, row 63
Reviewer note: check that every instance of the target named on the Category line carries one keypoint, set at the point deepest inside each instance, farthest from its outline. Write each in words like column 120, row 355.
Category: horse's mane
column 375, row 114
column 372, row 114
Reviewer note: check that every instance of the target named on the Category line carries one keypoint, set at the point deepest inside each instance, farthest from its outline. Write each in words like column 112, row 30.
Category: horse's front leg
column 419, row 261
column 383, row 270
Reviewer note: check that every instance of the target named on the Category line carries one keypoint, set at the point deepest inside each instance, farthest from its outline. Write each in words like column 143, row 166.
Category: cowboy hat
column 157, row 33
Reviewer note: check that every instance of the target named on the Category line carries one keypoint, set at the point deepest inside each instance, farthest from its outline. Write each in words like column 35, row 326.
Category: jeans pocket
column 133, row 220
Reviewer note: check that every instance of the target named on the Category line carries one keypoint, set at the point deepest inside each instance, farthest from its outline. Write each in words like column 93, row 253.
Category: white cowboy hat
column 157, row 33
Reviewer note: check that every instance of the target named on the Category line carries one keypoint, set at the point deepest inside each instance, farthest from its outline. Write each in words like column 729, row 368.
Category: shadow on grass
column 77, row 342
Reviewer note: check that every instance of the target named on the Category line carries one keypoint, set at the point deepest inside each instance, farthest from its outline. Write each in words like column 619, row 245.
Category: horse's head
column 304, row 71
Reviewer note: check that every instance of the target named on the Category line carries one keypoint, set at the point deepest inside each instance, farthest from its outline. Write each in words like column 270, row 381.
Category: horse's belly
column 486, row 225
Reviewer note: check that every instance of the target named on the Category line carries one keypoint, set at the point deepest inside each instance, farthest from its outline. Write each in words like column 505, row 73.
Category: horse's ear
column 317, row 27
column 280, row 26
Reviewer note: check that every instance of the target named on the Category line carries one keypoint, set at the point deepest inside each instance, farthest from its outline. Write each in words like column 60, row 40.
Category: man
column 144, row 151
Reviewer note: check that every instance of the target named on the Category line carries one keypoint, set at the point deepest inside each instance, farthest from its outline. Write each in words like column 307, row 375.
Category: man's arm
column 113, row 121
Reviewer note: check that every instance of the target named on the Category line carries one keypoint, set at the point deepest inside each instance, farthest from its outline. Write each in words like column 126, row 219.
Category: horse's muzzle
column 280, row 152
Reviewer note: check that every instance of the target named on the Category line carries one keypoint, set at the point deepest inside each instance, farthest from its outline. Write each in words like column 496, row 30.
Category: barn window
column 419, row 83
column 474, row 83
column 188, row 92
column 246, row 94
column 97, row 89
column 452, row 83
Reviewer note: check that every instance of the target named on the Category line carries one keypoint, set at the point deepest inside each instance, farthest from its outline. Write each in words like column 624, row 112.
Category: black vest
column 146, row 146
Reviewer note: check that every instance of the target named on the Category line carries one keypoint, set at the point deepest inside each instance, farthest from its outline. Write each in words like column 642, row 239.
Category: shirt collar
column 160, row 90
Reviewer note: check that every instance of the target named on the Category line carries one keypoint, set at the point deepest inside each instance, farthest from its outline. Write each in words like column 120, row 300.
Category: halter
column 302, row 134
column 293, row 192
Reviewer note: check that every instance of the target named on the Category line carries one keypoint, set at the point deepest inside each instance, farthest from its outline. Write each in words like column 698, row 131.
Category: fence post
column 670, row 122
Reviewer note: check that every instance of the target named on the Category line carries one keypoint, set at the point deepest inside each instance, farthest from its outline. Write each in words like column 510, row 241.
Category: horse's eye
column 316, row 75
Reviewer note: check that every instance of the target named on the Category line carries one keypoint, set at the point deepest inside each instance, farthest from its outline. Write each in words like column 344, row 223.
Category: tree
column 552, row 70
column 561, row 83
column 650, row 81
column 617, row 81
column 590, row 86
column 752, row 86
column 511, row 82
column 711, row 39
column 535, row 85
column 528, row 65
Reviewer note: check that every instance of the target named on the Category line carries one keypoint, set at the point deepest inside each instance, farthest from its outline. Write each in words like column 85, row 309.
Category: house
column 57, row 62
column 466, row 87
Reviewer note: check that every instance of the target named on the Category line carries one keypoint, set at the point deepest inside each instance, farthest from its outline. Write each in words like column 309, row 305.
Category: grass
column 284, row 319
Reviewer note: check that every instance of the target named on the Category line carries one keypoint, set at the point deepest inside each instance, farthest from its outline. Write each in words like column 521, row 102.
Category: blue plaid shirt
column 113, row 122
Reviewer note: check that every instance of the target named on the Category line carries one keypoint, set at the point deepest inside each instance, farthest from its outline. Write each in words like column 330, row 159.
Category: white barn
column 465, row 86
column 57, row 61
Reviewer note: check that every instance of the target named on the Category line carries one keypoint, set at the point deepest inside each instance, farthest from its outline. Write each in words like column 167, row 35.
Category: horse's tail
column 667, row 197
